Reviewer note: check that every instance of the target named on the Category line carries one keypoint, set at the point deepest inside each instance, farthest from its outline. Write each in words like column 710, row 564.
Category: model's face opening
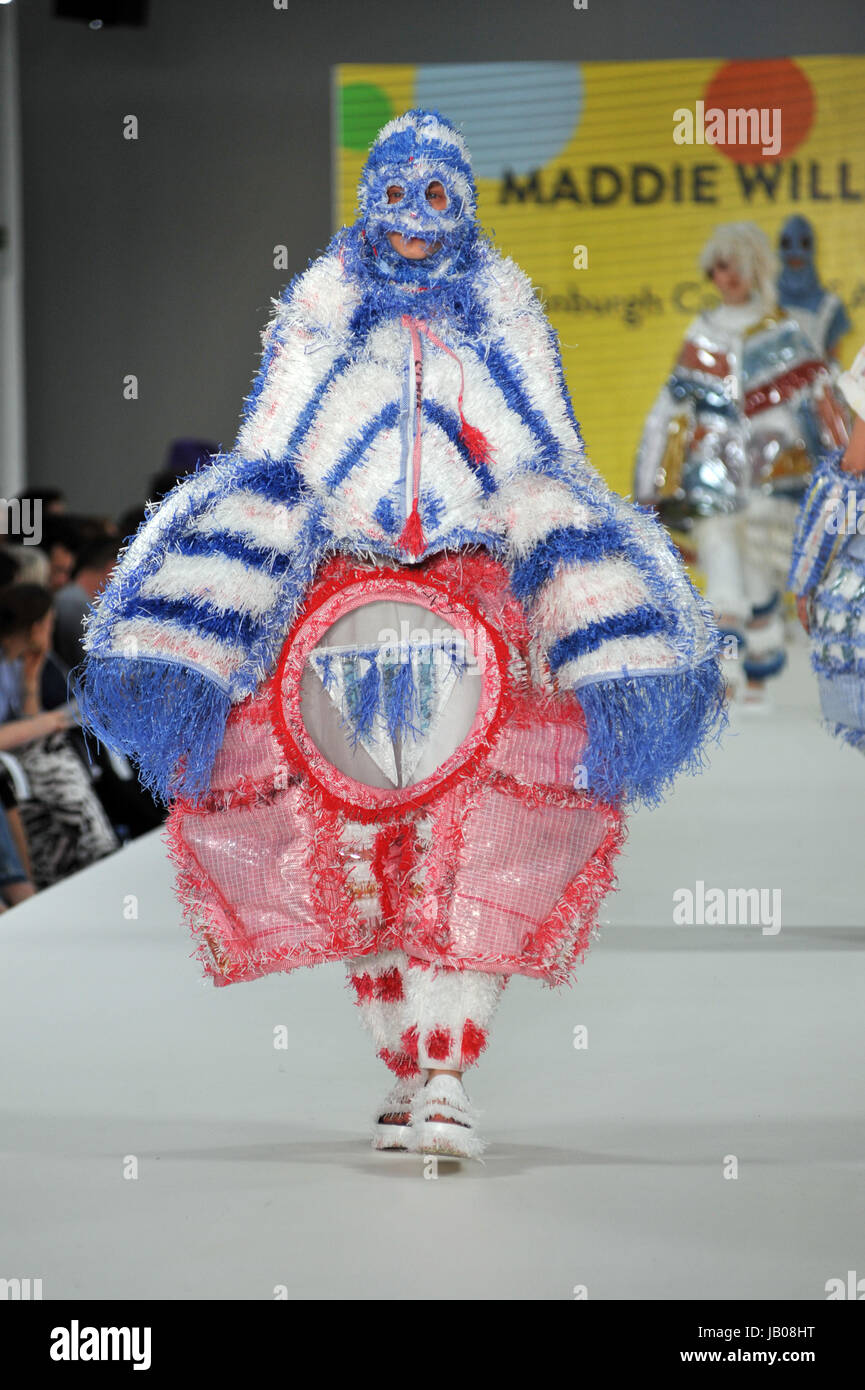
column 731, row 284
column 416, row 248
column 435, row 194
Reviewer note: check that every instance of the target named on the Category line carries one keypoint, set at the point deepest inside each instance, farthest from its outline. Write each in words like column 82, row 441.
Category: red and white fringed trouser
column 423, row 1015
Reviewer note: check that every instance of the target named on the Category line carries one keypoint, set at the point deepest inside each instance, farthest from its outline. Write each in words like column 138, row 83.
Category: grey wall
column 154, row 256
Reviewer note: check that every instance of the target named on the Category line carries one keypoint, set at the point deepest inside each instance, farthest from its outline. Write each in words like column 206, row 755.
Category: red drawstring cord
column 475, row 441
column 412, row 537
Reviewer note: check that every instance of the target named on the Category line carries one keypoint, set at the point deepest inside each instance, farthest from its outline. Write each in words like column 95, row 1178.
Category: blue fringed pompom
column 158, row 714
column 644, row 730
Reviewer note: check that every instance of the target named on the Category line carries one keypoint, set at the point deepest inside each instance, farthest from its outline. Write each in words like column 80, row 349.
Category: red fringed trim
column 474, row 1042
column 343, row 794
column 388, row 986
column 386, row 842
column 563, row 939
column 328, row 878
column 476, row 442
column 438, row 1044
column 402, row 1064
column 364, row 987
column 411, row 537
column 409, row 1041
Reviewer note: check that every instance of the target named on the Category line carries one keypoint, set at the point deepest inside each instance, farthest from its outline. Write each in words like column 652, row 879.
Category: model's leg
column 449, row 1013
column 720, row 555
column 765, row 525
column 378, row 984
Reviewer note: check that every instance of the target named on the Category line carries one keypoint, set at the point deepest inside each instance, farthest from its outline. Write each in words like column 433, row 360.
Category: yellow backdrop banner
column 604, row 180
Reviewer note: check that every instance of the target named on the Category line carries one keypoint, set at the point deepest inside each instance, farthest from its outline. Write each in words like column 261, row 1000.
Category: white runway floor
column 606, row 1166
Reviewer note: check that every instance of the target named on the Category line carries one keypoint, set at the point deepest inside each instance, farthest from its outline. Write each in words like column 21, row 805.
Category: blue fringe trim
column 826, row 665
column 356, row 448
column 157, row 713
column 645, row 730
column 363, row 695
column 449, row 423
column 562, row 544
column 637, row 623
column 325, row 670
column 855, row 737
column 401, row 700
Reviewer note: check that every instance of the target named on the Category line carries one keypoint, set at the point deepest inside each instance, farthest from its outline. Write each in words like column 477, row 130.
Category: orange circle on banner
column 768, row 86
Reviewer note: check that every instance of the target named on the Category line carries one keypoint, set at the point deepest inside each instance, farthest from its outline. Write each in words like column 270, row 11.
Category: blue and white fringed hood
column 400, row 411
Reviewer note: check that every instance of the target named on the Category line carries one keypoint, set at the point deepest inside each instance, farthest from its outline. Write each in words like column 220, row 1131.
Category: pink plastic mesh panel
column 250, row 749
column 516, row 862
column 548, row 754
column 255, row 859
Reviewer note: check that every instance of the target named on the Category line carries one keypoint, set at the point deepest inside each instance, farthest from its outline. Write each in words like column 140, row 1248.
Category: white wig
column 748, row 248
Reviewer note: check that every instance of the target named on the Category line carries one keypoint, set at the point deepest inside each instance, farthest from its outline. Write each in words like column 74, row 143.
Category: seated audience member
column 65, row 537
column 61, row 543
column 30, row 565
column 53, row 500
column 92, row 568
column 8, row 565
column 15, row 881
column 65, row 824
column 130, row 807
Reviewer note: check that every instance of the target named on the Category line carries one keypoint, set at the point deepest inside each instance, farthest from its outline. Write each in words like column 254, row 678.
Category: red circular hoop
column 352, row 589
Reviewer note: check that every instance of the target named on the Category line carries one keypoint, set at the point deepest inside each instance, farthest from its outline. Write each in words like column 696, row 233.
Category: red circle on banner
column 769, row 85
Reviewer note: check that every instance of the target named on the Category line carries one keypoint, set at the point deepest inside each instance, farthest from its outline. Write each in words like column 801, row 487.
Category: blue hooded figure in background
column 819, row 312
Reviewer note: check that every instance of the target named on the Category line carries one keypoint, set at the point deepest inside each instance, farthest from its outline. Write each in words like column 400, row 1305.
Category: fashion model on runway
column 828, row 572
column 729, row 445
column 400, row 659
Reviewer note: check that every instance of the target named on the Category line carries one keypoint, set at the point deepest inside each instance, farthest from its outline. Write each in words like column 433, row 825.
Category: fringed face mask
column 418, row 183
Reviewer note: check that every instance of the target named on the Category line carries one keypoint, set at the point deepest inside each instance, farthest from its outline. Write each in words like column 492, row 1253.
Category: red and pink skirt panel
column 495, row 862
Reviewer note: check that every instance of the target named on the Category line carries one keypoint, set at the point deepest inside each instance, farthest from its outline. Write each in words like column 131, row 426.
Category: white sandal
column 398, row 1101
column 455, row 1135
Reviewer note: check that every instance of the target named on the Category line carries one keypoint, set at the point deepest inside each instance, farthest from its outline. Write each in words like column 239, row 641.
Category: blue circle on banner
column 515, row 116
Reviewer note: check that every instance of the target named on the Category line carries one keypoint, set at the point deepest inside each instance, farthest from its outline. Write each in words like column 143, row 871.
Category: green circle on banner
column 363, row 110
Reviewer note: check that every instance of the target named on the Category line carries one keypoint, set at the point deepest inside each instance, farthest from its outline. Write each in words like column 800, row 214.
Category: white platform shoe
column 453, row 1132
column 398, row 1101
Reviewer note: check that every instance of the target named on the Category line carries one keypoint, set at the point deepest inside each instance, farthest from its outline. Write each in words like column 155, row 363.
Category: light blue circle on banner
column 515, row 116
